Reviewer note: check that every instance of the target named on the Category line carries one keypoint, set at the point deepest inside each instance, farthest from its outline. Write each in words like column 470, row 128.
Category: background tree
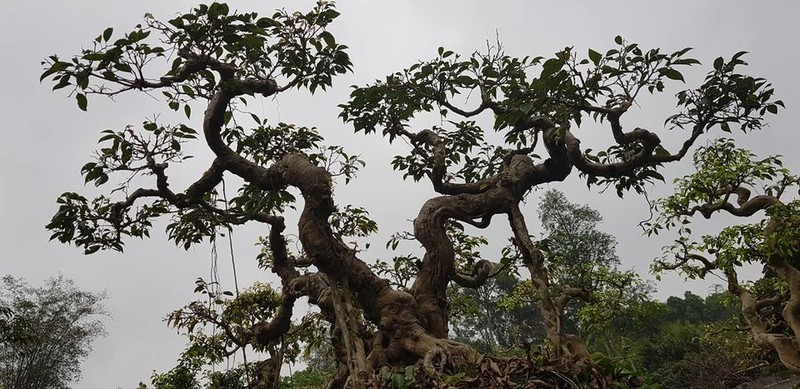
column 5, row 323
column 583, row 274
column 583, row 266
column 48, row 333
column 683, row 342
column 226, row 59
column 479, row 317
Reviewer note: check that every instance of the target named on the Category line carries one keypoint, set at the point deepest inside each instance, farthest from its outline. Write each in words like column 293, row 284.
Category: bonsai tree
column 725, row 181
column 226, row 59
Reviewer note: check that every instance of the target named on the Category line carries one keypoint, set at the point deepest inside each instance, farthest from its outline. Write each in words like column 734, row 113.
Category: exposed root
column 429, row 363
column 515, row 373
column 449, row 356
column 403, row 351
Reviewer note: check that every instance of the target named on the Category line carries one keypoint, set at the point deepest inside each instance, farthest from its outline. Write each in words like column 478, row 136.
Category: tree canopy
column 726, row 177
column 46, row 332
column 537, row 107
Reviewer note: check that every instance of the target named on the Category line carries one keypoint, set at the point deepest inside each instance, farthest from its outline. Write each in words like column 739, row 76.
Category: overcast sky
column 46, row 139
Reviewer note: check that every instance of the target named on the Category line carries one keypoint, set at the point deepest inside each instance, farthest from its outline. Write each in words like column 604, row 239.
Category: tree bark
column 566, row 346
column 787, row 348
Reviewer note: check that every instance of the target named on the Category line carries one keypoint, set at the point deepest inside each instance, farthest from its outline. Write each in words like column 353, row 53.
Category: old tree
column 226, row 59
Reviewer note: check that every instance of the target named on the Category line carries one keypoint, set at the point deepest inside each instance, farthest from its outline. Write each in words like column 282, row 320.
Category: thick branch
column 648, row 141
column 552, row 311
column 480, row 273
column 266, row 332
column 643, row 158
column 787, row 348
column 747, row 207
column 511, row 185
column 208, row 181
column 328, row 253
column 568, row 293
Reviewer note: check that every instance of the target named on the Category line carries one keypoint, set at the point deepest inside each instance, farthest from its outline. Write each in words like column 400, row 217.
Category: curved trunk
column 430, row 285
column 566, row 346
column 352, row 333
column 476, row 209
column 411, row 326
column 787, row 348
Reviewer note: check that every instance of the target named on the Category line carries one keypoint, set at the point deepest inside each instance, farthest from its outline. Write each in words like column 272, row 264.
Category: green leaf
column 62, row 82
column 652, row 174
column 595, row 56
column 672, row 74
column 106, row 137
column 773, row 109
column 102, row 179
column 525, row 108
column 464, row 80
column 551, row 66
column 738, row 55
column 332, row 13
column 328, row 38
column 107, row 34
column 56, row 67
column 87, row 167
column 718, row 63
column 618, row 40
column 681, row 52
column 47, row 72
column 267, row 22
column 187, row 110
column 81, row 101
column 177, row 22
column 123, row 67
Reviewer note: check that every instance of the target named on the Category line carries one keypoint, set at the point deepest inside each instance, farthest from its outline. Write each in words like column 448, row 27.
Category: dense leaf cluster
column 381, row 318
column 46, row 332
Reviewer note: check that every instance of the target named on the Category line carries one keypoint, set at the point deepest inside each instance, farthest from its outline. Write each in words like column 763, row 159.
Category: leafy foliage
column 385, row 322
column 725, row 172
column 565, row 89
column 46, row 332
column 480, row 318
column 726, row 98
column 209, row 47
column 581, row 256
column 685, row 341
column 725, row 180
column 308, row 378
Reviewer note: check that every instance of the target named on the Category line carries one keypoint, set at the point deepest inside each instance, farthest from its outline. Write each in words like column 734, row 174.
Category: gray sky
column 47, row 139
